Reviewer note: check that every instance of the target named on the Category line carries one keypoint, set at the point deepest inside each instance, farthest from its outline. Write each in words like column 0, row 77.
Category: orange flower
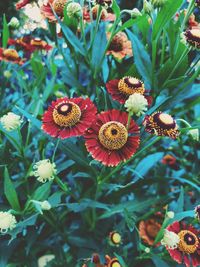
column 120, row 46
column 105, row 16
column 10, row 55
column 148, row 230
column 169, row 160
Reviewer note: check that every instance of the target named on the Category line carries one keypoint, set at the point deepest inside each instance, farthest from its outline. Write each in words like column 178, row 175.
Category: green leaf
column 180, row 201
column 10, row 191
column 5, row 34
column 42, row 192
column 116, row 9
column 30, row 117
column 164, row 16
column 141, row 59
column 159, row 262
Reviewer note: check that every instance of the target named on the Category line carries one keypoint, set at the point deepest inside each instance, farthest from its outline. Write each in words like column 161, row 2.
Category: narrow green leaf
column 10, row 191
column 5, row 33
column 42, row 192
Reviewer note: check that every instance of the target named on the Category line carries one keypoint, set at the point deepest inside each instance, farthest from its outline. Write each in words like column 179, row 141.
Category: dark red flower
column 192, row 37
column 10, row 55
column 188, row 248
column 108, row 139
column 161, row 124
column 197, row 212
column 121, row 89
column 148, row 230
column 68, row 117
column 22, row 3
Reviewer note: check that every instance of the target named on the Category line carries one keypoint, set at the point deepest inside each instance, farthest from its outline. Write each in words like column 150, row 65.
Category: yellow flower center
column 188, row 241
column 114, row 263
column 66, row 114
column 195, row 32
column 130, row 85
column 10, row 54
column 115, row 237
column 113, row 135
column 58, row 6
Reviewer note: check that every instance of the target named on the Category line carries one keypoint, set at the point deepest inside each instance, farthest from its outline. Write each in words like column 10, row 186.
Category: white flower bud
column 74, row 10
column 135, row 13
column 170, row 214
column 147, row 7
column 45, row 205
column 7, row 222
column 14, row 23
column 43, row 261
column 7, row 74
column 136, row 104
column 194, row 133
column 170, row 239
column 44, row 170
column 147, row 250
column 10, row 121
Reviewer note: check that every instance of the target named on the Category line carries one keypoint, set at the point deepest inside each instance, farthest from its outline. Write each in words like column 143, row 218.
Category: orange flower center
column 10, row 54
column 130, row 85
column 188, row 241
column 66, row 114
column 117, row 43
column 113, row 135
column 114, row 263
column 58, row 6
column 38, row 42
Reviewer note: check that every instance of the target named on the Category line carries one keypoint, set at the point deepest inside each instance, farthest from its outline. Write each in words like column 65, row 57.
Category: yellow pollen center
column 113, row 135
column 115, row 264
column 37, row 42
column 116, row 238
column 66, row 114
column 195, row 32
column 58, row 6
column 10, row 54
column 130, row 85
column 188, row 241
column 166, row 118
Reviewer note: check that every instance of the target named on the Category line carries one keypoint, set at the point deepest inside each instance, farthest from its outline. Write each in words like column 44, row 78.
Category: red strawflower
column 22, row 3
column 58, row 7
column 10, row 55
column 68, row 117
column 161, row 124
column 188, row 248
column 121, row 89
column 108, row 139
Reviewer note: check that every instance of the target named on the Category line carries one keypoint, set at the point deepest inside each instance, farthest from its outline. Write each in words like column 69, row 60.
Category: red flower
column 68, row 117
column 161, row 124
column 168, row 160
column 105, row 16
column 109, row 141
column 29, row 44
column 58, row 7
column 121, row 89
column 22, row 3
column 10, row 55
column 188, row 249
column 148, row 230
column 192, row 36
column 120, row 46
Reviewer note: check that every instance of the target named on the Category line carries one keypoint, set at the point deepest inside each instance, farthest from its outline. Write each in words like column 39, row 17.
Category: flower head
column 115, row 238
column 192, row 37
column 10, row 121
column 105, row 15
column 194, row 133
column 10, row 55
column 170, row 214
column 161, row 124
column 58, row 7
column 74, row 10
column 7, row 222
column 68, row 117
column 22, row 3
column 170, row 239
column 197, row 212
column 42, row 205
column 148, row 230
column 108, row 139
column 105, row 3
column 184, row 244
column 169, row 160
column 158, row 3
column 14, row 23
column 7, row 74
column 121, row 89
column 136, row 104
column 44, row 170
column 120, row 46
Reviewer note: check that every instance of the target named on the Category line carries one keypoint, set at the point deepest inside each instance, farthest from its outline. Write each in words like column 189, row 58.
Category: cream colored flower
column 43, row 205
column 44, row 170
column 10, row 121
column 136, row 104
column 194, row 133
column 42, row 261
column 170, row 214
column 170, row 240
column 7, row 74
column 7, row 222
column 14, row 23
